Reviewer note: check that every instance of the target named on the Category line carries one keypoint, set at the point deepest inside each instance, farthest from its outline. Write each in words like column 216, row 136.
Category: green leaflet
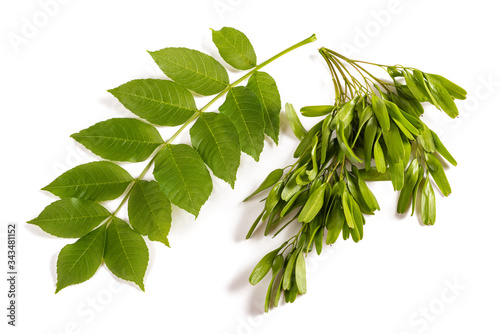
column 216, row 139
column 300, row 273
column 292, row 187
column 428, row 203
column 313, row 204
column 437, row 172
column 318, row 239
column 453, row 89
column 405, row 105
column 273, row 198
column 183, row 177
column 307, row 139
column 315, row 111
column 407, row 150
column 380, row 111
column 397, row 173
column 334, row 223
column 426, row 140
column 416, row 189
column 364, row 117
column 97, row 181
column 270, row 180
column 149, row 211
column 243, row 108
column 353, row 216
column 79, row 261
column 369, row 138
column 277, row 265
column 120, row 139
column 345, row 114
column 254, row 225
column 374, row 175
column 366, row 193
column 311, row 173
column 442, row 97
column 161, row 102
column 352, row 186
column 263, row 267
column 348, row 210
column 290, row 205
column 70, row 218
column 416, row 85
column 394, row 143
column 289, row 269
column 192, row 69
column 378, row 155
column 442, row 149
column 410, row 181
column 294, row 121
column 264, row 86
column 126, row 254
column 398, row 117
column 344, row 145
column 235, row 48
column 326, row 133
column 278, row 291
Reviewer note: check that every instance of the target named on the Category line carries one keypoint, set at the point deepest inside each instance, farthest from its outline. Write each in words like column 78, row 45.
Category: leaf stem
column 128, row 191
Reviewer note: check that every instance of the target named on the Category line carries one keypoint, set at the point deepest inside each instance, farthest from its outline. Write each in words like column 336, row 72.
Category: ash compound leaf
column 70, row 218
column 183, row 177
column 120, row 139
column 126, row 254
column 216, row 139
column 264, row 86
column 79, row 261
column 97, row 181
column 161, row 102
column 243, row 108
column 192, row 69
column 235, row 48
column 149, row 211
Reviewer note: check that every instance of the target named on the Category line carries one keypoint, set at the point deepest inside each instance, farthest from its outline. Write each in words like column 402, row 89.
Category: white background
column 55, row 82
